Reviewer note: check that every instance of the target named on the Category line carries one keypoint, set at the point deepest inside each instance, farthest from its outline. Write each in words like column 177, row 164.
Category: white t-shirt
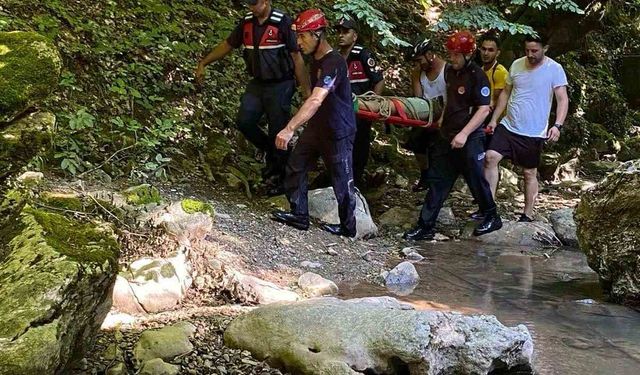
column 531, row 96
column 435, row 88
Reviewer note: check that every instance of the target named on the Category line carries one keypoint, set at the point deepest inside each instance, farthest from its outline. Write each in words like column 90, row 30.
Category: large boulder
column 55, row 280
column 330, row 336
column 324, row 207
column 29, row 70
column 23, row 139
column 608, row 228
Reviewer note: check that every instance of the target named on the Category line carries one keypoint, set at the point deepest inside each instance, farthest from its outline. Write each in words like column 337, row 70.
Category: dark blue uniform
column 329, row 134
column 467, row 89
column 267, row 53
column 364, row 74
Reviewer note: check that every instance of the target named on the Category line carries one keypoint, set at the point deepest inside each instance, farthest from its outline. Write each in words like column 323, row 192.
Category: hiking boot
column 420, row 233
column 477, row 216
column 297, row 221
column 338, row 230
column 489, row 224
column 524, row 218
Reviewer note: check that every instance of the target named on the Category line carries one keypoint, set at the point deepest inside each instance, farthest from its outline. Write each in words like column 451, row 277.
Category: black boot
column 420, row 233
column 296, row 221
column 338, row 230
column 490, row 223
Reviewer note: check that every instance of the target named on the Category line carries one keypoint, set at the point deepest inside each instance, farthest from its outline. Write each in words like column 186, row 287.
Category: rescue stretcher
column 393, row 110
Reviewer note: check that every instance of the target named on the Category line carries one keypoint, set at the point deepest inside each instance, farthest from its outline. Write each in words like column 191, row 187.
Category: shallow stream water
column 558, row 298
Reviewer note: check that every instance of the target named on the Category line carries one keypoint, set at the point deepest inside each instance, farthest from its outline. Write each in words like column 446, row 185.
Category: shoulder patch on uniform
column 485, row 91
column 371, row 62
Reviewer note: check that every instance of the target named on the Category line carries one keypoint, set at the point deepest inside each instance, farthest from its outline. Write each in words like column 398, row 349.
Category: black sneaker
column 490, row 224
column 524, row 218
column 293, row 220
column 477, row 216
column 420, row 233
column 338, row 230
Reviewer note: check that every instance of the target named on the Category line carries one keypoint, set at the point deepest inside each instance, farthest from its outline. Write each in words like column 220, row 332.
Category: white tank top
column 435, row 88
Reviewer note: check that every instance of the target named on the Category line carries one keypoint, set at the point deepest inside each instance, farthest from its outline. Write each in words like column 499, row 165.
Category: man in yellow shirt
column 496, row 72
column 497, row 75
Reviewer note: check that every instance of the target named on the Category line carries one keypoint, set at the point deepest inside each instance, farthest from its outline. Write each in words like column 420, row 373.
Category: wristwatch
column 558, row 126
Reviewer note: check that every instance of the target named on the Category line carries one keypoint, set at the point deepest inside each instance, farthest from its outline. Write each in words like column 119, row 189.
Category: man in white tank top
column 531, row 85
column 427, row 81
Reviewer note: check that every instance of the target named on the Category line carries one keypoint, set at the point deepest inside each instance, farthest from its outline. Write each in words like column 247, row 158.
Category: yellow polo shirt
column 497, row 76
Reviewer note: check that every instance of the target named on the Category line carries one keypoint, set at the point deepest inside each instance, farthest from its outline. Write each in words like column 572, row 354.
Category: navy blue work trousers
column 274, row 101
column 337, row 155
column 446, row 164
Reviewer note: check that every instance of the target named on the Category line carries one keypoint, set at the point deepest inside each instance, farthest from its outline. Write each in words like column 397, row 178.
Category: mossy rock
column 608, row 229
column 10, row 207
column 599, row 168
column 79, row 203
column 23, row 139
column 64, row 201
column 630, row 149
column 192, row 206
column 29, row 71
column 142, row 195
column 54, row 287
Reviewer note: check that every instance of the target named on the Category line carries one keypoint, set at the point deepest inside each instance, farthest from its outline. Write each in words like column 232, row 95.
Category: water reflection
column 557, row 298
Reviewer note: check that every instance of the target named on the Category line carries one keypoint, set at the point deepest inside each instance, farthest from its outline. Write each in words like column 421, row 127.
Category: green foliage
column 365, row 12
column 493, row 14
column 126, row 89
column 564, row 5
column 479, row 17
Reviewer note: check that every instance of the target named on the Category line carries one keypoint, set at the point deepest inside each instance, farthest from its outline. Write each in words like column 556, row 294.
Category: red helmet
column 310, row 20
column 463, row 42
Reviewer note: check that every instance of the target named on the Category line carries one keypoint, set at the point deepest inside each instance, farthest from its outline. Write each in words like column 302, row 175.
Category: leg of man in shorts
column 522, row 151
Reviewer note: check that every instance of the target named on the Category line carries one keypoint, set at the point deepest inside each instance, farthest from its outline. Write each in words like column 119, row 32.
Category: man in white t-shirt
column 532, row 82
column 427, row 81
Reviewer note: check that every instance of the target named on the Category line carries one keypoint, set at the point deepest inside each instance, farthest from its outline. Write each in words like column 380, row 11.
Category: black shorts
column 522, row 151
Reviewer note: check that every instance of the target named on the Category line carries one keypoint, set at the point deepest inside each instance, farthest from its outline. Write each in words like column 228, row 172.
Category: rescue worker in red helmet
column 329, row 134
column 272, row 58
column 459, row 149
